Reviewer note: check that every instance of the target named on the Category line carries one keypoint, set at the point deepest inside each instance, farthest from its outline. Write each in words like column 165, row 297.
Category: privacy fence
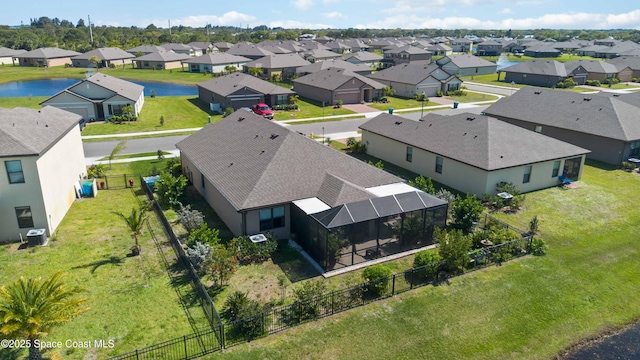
column 226, row 334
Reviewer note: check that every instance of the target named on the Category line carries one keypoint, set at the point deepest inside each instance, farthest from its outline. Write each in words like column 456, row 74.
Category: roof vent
column 587, row 99
column 240, row 118
column 465, row 134
column 537, row 92
column 471, row 118
column 398, row 122
column 616, row 95
column 273, row 136
column 230, row 164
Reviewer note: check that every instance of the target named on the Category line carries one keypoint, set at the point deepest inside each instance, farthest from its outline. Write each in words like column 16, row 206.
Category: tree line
column 65, row 34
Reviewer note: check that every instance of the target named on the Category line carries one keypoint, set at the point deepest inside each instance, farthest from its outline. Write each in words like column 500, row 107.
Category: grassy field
column 492, row 79
column 530, row 308
column 132, row 300
column 472, row 97
column 28, row 102
column 310, row 109
column 399, row 103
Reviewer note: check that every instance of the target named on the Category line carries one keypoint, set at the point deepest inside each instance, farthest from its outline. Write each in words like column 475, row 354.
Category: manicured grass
column 323, row 120
column 131, row 299
column 310, row 109
column 179, row 112
column 28, row 102
column 529, row 308
column 399, row 103
column 492, row 79
column 131, row 156
column 472, row 97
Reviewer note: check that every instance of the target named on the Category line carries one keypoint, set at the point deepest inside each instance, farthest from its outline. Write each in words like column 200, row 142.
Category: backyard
column 533, row 307
column 133, row 300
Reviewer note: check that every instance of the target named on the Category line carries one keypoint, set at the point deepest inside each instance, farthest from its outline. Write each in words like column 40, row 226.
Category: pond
column 620, row 346
column 50, row 87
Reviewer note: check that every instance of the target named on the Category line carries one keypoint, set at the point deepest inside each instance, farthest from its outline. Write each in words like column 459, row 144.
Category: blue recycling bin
column 390, row 110
column 455, row 104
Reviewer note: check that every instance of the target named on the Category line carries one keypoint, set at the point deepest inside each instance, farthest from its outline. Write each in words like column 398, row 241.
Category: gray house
column 261, row 177
column 466, row 65
column 489, row 48
column 241, row 90
column 359, row 69
column 333, row 84
column 406, row 54
column 605, row 124
column 106, row 56
column 364, row 57
column 628, row 67
column 410, row 79
column 161, row 60
column 215, row 63
column 596, row 70
column 542, row 73
column 472, row 153
column 282, row 65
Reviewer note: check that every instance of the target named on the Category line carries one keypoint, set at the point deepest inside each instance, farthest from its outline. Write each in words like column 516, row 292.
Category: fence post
column 332, row 311
column 221, row 336
column 184, row 339
column 137, row 354
column 393, row 285
column 413, row 273
column 106, row 181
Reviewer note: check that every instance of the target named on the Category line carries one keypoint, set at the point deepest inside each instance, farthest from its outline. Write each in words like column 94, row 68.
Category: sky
column 342, row 14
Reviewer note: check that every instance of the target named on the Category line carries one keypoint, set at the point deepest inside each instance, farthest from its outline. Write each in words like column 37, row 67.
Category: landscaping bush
column 250, row 252
column 439, row 94
column 538, row 247
column 635, row 80
column 611, row 81
column 339, row 103
column 205, row 235
column 96, row 171
column 454, row 249
column 198, row 254
column 533, row 225
column 377, row 278
column 430, row 260
column 170, row 188
column 457, row 93
column 190, row 219
column 466, row 212
column 309, row 301
column 593, row 83
column 245, row 316
column 423, row 183
column 223, row 265
column 356, row 146
column 628, row 166
column 227, row 111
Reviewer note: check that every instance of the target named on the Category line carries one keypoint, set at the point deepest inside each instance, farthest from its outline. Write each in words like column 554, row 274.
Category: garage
column 348, row 97
column 82, row 111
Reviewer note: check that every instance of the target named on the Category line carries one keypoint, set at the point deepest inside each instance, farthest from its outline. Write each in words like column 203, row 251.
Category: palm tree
column 135, row 221
column 30, row 308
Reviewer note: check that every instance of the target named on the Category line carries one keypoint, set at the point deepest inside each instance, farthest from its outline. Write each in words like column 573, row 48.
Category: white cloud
column 294, row 24
column 303, row 4
column 329, row 1
column 505, row 11
column 334, row 15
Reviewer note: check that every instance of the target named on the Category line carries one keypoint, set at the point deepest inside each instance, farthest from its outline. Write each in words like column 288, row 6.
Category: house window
column 14, row 171
column 438, row 164
column 146, row 64
column 453, row 86
column 635, row 148
column 409, row 156
column 115, row 109
column 556, row 169
column 25, row 218
column 272, row 218
column 527, row 174
column 538, row 129
column 202, row 180
column 282, row 99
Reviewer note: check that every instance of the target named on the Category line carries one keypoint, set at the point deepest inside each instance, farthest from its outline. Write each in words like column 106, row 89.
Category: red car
column 264, row 110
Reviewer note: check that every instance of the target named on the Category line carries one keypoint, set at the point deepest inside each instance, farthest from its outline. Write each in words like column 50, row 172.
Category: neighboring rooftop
column 228, row 84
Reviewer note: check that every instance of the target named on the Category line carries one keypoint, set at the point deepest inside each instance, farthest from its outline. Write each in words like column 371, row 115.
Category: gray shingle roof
column 633, row 62
column 127, row 89
column 592, row 66
column 333, row 78
column 539, row 67
column 408, row 49
column 254, row 162
column 338, row 63
column 476, row 140
column 163, row 56
column 406, row 73
column 217, row 59
column 5, row 52
column 228, row 84
column 146, row 49
column 47, row 53
column 279, row 61
column 322, row 54
column 468, row 61
column 112, row 53
column 594, row 114
column 30, row 132
column 248, row 50
column 364, row 56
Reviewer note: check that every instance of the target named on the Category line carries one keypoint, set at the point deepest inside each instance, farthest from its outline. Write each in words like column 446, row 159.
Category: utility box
column 37, row 237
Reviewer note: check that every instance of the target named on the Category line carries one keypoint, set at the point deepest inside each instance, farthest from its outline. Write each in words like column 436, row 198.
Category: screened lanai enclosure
column 353, row 233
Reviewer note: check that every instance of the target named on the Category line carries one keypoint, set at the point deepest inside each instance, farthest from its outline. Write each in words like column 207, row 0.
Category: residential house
column 333, row 84
column 215, row 63
column 364, row 57
column 544, row 50
column 628, row 67
column 629, row 48
column 359, row 69
column 145, row 50
column 161, row 60
column 238, row 90
column 318, row 55
column 381, row 43
column 606, row 125
column 205, row 46
column 461, row 45
column 596, row 70
column 472, row 153
column 323, row 39
column 249, row 51
column 466, row 65
column 107, row 57
column 46, row 57
column 338, row 47
column 8, row 56
column 591, row 50
column 183, row 49
column 489, row 48
column 42, row 157
column 261, row 177
column 406, row 54
column 223, row 46
column 410, row 79
column 99, row 97
column 542, row 73
column 283, row 66
column 439, row 49
column 356, row 45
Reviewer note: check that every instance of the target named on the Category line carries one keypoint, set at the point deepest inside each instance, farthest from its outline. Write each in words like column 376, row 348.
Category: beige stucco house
column 99, row 97
column 42, row 158
column 46, row 57
column 161, row 60
column 107, row 57
column 332, row 85
column 8, row 56
column 472, row 153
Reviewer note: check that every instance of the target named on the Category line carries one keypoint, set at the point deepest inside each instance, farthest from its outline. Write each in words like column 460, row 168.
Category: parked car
column 264, row 110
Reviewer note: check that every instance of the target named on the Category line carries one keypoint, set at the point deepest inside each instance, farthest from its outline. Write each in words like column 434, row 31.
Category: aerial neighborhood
column 279, row 177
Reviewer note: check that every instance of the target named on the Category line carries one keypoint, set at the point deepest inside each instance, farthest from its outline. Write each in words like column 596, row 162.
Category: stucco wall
column 253, row 224
column 67, row 101
column 313, row 93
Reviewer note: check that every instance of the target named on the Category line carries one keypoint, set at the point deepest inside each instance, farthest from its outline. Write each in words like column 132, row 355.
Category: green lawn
column 310, row 109
column 399, row 103
column 472, row 97
column 28, row 102
column 529, row 308
column 131, row 299
column 492, row 79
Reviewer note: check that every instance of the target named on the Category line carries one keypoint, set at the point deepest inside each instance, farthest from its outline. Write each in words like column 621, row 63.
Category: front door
column 572, row 168
column 99, row 111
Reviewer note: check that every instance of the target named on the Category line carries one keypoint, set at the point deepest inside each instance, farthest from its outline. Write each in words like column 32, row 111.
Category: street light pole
column 323, row 135
column 422, row 111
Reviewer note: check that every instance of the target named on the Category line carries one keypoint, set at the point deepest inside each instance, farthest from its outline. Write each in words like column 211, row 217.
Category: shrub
column 439, row 94
column 245, row 315
column 538, row 247
column 593, row 83
column 423, row 183
column 635, row 80
column 227, row 111
column 466, row 212
column 430, row 260
column 250, row 252
column 453, row 248
column 205, row 235
column 170, row 188
column 459, row 92
column 377, row 278
column 356, row 146
column 628, row 166
column 309, row 301
column 198, row 254
column 339, row 103
column 152, row 93
column 96, row 171
column 190, row 219
column 161, row 120
column 223, row 265
column 533, row 225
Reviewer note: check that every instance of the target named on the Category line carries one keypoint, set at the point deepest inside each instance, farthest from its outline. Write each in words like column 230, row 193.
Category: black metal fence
column 222, row 335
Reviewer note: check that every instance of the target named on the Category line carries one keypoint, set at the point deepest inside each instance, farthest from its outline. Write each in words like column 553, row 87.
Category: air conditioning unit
column 37, row 237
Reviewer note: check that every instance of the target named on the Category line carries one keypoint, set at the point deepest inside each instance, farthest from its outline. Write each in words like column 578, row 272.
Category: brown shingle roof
column 228, row 84
column 333, row 78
